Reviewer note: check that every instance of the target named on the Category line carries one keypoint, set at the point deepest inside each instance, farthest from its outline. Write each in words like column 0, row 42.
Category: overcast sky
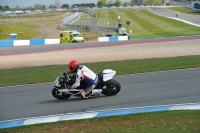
column 25, row 3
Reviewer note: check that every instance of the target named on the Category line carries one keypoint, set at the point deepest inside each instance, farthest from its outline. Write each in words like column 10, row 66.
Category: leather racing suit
column 87, row 76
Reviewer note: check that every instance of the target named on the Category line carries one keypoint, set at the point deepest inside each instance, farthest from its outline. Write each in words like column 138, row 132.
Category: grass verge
column 142, row 23
column 145, row 24
column 30, row 75
column 27, row 26
column 184, row 10
column 155, row 122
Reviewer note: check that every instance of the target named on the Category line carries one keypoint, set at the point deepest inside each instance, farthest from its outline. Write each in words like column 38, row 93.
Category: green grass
column 148, row 25
column 156, row 122
column 142, row 23
column 184, row 10
column 26, row 28
column 30, row 75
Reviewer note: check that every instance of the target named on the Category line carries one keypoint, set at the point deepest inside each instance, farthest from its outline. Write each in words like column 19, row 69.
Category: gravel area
column 140, row 51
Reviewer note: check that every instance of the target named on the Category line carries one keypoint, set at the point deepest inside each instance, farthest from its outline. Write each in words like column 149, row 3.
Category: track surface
column 28, row 56
column 171, row 13
column 148, row 89
column 4, row 51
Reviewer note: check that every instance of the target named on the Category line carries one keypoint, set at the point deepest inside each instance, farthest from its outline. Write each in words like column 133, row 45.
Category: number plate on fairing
column 56, row 83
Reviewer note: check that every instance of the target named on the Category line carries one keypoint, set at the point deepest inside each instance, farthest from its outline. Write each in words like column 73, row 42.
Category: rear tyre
column 60, row 95
column 111, row 87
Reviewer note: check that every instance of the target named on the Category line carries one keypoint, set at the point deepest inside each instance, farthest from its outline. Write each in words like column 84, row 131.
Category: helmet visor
column 71, row 68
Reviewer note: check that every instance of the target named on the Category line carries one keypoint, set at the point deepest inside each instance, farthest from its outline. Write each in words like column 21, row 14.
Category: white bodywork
column 56, row 83
column 108, row 74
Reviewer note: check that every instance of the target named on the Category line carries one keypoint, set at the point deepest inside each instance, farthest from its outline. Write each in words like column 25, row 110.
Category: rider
column 85, row 74
column 177, row 14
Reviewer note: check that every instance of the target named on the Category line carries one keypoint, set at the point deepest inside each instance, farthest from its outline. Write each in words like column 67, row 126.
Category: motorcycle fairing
column 108, row 74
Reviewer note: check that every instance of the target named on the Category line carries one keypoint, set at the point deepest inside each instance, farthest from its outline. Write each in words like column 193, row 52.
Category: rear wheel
column 60, row 95
column 111, row 87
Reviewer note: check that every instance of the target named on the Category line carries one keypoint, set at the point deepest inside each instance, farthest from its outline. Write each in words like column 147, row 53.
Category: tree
column 38, row 6
column 110, row 2
column 51, row 6
column 57, row 3
column 127, row 3
column 44, row 7
column 145, row 2
column 17, row 7
column 104, row 2
column 136, row 2
column 65, row 6
column 93, row 5
column 118, row 2
column 6, row 7
column 29, row 8
column 157, row 1
column 99, row 3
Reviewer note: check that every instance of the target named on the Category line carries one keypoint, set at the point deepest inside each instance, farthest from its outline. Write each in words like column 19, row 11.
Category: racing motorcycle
column 106, row 85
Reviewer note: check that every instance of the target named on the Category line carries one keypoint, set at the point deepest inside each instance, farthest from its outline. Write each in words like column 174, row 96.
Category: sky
column 26, row 3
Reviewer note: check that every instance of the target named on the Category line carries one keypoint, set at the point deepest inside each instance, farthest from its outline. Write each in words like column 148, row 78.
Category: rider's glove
column 64, row 73
column 69, row 86
column 68, row 72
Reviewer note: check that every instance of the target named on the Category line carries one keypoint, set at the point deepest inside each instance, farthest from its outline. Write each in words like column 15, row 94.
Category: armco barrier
column 37, row 42
column 93, row 114
column 113, row 38
column 8, row 43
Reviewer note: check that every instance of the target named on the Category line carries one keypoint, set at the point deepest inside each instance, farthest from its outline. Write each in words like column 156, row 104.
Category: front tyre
column 111, row 87
column 59, row 95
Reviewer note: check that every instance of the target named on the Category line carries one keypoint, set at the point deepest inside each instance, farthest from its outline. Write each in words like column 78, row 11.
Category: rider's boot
column 84, row 95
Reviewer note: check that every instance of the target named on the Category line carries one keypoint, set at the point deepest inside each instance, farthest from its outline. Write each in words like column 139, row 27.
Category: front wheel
column 111, row 87
column 59, row 95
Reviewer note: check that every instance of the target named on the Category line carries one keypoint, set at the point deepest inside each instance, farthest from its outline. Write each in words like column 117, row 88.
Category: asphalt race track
column 148, row 89
column 145, row 89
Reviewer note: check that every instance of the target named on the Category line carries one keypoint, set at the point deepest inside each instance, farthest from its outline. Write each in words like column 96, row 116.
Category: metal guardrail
column 71, row 18
column 90, row 28
column 74, row 22
column 89, row 11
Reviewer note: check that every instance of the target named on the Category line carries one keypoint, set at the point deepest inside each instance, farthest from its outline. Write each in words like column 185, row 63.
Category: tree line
column 132, row 2
column 36, row 6
column 57, row 5
column 99, row 3
column 43, row 7
column 111, row 3
column 84, row 5
column 137, row 2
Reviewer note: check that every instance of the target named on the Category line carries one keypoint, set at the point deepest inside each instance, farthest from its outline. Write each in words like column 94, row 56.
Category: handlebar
column 65, row 75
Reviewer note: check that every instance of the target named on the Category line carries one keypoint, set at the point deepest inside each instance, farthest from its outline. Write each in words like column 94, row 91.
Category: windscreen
column 76, row 35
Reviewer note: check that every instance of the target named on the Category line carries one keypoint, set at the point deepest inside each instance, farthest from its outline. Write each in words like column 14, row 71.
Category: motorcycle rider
column 84, row 74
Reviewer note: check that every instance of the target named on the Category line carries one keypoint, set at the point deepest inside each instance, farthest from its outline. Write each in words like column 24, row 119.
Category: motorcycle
column 106, row 85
